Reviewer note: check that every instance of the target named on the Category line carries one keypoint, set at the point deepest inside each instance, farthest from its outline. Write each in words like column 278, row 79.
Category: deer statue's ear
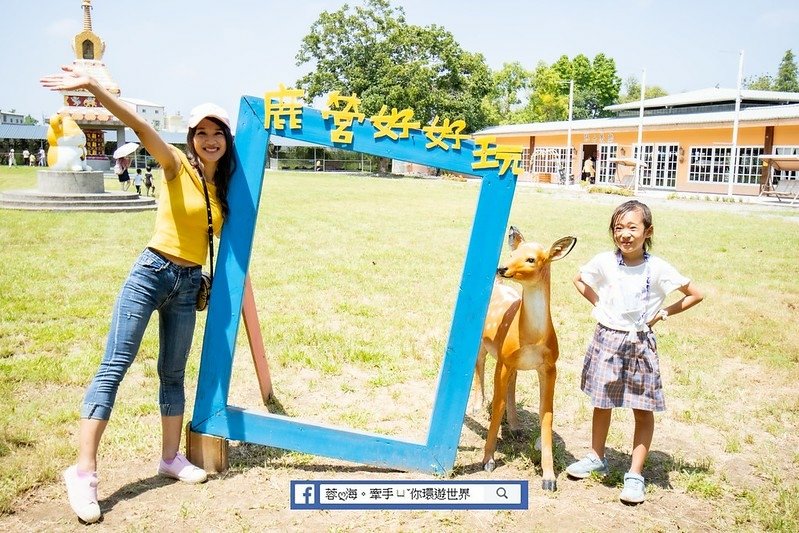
column 514, row 237
column 561, row 248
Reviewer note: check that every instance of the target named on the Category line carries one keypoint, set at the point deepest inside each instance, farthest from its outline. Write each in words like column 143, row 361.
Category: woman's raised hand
column 71, row 78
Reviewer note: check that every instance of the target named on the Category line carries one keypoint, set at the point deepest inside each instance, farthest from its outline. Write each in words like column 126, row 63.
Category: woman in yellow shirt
column 165, row 278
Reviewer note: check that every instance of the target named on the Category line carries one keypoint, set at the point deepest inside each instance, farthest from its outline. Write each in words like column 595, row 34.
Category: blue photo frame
column 213, row 416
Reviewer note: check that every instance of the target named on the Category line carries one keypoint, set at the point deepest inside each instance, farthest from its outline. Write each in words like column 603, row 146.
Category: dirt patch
column 257, row 498
column 254, row 493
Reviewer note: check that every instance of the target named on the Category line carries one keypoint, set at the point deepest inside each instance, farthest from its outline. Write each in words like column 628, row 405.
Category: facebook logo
column 304, row 494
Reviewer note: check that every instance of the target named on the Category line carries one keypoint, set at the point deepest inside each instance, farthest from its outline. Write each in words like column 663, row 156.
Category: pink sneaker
column 181, row 469
column 82, row 493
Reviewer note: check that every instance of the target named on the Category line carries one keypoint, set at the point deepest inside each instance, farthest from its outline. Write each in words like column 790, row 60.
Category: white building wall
column 152, row 113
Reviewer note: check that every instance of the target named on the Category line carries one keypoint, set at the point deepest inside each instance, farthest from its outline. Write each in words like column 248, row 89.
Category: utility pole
column 640, row 132
column 734, row 154
column 569, row 155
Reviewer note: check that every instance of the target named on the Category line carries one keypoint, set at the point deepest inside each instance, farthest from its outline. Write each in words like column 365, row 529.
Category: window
column 526, row 163
column 710, row 164
column 661, row 164
column 749, row 165
column 701, row 164
column 606, row 170
column 549, row 159
column 785, row 174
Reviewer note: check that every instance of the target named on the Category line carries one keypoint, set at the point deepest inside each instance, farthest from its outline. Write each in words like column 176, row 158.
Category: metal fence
column 322, row 165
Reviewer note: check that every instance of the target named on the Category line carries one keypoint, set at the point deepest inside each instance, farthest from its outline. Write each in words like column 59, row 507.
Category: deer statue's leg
column 546, row 377
column 512, row 413
column 477, row 398
column 501, row 377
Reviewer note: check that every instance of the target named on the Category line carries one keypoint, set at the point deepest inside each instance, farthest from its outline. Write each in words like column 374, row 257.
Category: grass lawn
column 355, row 279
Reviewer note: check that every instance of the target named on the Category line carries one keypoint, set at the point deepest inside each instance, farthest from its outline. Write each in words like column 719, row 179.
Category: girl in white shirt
column 627, row 288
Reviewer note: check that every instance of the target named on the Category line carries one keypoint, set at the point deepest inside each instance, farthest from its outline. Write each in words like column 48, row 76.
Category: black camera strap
column 210, row 224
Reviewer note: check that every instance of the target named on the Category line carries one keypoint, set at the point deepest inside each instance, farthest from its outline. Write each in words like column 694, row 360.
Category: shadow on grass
column 657, row 468
column 134, row 489
column 519, row 445
column 243, row 456
column 512, row 446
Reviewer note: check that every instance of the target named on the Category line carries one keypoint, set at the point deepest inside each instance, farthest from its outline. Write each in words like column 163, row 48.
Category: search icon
column 502, row 492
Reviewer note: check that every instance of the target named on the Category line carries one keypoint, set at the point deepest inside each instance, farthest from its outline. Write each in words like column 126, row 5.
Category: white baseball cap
column 208, row 110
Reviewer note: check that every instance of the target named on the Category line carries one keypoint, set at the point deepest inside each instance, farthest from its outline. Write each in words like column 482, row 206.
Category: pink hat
column 208, row 110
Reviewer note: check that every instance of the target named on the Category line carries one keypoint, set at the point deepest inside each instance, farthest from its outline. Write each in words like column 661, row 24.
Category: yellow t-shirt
column 181, row 222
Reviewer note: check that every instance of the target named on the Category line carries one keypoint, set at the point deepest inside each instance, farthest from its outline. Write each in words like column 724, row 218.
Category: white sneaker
column 634, row 490
column 588, row 464
column 182, row 470
column 82, row 493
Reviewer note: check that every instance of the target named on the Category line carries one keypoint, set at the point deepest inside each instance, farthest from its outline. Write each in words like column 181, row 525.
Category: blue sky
column 182, row 52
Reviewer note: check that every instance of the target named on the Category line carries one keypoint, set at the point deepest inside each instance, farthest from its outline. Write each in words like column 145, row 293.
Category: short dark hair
column 626, row 207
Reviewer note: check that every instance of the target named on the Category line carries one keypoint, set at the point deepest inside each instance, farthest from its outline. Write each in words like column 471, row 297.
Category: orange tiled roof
column 90, row 115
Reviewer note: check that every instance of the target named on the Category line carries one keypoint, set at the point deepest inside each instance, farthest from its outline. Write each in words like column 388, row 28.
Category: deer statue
column 518, row 332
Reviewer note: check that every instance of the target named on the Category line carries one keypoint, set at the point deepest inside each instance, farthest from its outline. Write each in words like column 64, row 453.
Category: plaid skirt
column 622, row 370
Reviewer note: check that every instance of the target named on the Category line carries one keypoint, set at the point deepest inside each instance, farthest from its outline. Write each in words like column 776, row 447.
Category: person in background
column 165, row 278
column 148, row 181
column 137, row 181
column 121, row 170
column 589, row 172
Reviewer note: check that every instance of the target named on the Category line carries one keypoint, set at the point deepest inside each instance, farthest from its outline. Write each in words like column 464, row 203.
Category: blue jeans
column 154, row 283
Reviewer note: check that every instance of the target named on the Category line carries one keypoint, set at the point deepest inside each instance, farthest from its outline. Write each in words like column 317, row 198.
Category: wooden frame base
column 206, row 451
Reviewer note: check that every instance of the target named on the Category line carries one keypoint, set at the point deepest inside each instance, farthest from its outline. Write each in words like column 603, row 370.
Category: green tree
column 786, row 80
column 373, row 52
column 510, row 86
column 632, row 91
column 29, row 120
column 578, row 69
column 606, row 83
column 547, row 102
column 764, row 82
column 596, row 85
column 787, row 74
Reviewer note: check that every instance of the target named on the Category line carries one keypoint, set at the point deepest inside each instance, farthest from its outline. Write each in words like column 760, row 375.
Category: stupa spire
column 87, row 15
column 81, row 105
column 87, row 44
